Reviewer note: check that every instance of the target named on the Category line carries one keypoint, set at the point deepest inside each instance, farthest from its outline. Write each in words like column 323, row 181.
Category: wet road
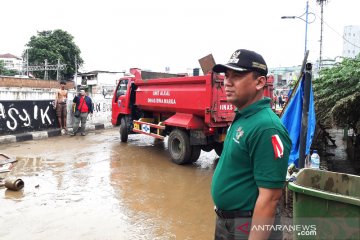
column 95, row 187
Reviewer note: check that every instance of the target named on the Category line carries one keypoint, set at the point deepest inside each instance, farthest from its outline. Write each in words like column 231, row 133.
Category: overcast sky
column 153, row 34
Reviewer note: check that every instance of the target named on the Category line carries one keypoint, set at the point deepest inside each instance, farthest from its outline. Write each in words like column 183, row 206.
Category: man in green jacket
column 248, row 180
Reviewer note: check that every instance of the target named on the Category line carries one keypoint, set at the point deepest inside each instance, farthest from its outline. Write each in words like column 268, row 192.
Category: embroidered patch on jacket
column 238, row 135
column 278, row 146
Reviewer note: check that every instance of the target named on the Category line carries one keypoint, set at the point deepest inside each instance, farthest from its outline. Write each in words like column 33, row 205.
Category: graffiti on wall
column 102, row 107
column 101, row 113
column 102, row 110
column 25, row 116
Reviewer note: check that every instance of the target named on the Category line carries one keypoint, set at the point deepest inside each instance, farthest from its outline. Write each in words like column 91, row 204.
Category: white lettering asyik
column 2, row 111
column 36, row 112
column 8, row 124
column 25, row 119
column 44, row 115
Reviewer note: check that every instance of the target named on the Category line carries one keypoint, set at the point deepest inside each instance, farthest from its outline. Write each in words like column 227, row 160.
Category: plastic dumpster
column 326, row 205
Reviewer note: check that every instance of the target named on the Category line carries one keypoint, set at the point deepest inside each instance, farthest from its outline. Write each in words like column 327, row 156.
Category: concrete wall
column 31, row 108
column 27, row 93
column 31, row 83
column 102, row 109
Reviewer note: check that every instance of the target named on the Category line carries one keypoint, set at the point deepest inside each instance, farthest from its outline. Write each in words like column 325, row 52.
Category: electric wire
column 342, row 36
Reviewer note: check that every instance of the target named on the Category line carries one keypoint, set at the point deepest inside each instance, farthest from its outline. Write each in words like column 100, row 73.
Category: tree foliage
column 6, row 72
column 337, row 94
column 54, row 45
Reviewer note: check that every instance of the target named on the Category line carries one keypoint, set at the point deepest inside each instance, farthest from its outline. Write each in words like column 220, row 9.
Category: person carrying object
column 82, row 107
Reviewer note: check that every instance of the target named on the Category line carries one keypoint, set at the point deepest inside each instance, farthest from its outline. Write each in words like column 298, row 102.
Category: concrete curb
column 21, row 137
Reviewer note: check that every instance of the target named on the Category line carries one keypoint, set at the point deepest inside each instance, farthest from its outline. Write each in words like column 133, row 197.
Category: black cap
column 243, row 60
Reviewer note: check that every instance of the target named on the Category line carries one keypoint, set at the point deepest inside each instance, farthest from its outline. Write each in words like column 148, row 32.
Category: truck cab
column 121, row 99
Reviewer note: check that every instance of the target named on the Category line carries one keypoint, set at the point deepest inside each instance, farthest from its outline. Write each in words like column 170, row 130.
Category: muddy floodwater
column 95, row 187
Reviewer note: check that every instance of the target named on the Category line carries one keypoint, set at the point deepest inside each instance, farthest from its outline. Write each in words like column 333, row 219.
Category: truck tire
column 123, row 130
column 179, row 147
column 195, row 153
column 218, row 148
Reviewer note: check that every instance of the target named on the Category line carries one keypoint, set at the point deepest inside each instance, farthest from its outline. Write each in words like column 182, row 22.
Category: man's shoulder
column 88, row 98
column 266, row 119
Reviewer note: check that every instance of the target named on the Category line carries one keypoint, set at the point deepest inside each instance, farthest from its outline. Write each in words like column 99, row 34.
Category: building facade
column 12, row 62
column 284, row 76
column 99, row 82
column 351, row 44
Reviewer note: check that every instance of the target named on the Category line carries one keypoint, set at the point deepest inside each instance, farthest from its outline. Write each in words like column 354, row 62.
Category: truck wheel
column 123, row 131
column 179, row 147
column 195, row 153
column 218, row 148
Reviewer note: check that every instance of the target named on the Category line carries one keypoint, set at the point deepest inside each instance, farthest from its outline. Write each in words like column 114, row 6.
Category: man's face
column 62, row 85
column 82, row 92
column 240, row 88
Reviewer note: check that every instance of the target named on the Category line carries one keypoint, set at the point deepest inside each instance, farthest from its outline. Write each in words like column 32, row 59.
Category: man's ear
column 261, row 82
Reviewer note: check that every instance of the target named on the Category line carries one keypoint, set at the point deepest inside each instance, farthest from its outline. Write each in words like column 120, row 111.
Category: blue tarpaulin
column 292, row 121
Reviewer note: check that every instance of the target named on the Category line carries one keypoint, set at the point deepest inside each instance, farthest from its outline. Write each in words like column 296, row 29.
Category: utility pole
column 305, row 114
column 75, row 76
column 27, row 62
column 306, row 20
column 46, row 70
column 321, row 3
column 58, row 70
column 306, row 24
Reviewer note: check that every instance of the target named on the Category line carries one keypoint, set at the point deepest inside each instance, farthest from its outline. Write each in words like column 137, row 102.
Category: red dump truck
column 191, row 111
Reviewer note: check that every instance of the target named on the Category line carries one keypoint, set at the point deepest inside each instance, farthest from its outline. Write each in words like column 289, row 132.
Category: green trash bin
column 326, row 205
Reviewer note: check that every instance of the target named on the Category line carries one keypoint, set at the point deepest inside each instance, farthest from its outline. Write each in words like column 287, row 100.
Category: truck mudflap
column 185, row 120
column 147, row 127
